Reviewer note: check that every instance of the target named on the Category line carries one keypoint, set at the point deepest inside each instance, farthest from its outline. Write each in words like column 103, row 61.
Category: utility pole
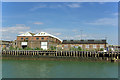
column 81, row 34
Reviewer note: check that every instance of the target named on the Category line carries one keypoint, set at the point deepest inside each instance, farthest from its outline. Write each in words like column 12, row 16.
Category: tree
column 101, row 49
column 79, row 48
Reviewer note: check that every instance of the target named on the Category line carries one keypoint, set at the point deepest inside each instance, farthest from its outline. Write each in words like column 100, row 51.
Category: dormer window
column 21, row 38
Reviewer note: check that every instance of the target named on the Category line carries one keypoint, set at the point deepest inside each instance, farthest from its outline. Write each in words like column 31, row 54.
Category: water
column 58, row 69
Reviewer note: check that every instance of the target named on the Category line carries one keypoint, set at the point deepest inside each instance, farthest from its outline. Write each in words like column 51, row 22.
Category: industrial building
column 84, row 44
column 45, row 41
column 40, row 40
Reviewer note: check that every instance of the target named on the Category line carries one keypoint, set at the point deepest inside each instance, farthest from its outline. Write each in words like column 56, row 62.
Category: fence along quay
column 113, row 56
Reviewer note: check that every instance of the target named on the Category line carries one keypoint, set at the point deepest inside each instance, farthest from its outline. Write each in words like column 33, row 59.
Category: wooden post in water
column 61, row 53
column 95, row 54
column 56, row 53
column 117, row 55
column 87, row 53
column 9, row 52
column 82, row 54
column 69, row 53
column 15, row 52
column 66, row 54
column 90, row 53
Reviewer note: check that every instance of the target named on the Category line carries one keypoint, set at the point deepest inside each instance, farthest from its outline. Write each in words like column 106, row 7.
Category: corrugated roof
column 84, row 42
column 46, row 34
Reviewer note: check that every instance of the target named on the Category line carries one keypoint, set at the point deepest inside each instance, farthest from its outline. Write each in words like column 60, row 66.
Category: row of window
column 87, row 46
column 36, row 38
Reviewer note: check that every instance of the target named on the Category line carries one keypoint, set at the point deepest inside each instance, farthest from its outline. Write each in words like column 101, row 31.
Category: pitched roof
column 84, row 42
column 46, row 34
column 27, row 34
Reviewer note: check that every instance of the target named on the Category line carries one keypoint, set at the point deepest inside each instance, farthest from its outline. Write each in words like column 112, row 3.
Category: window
column 26, row 38
column 37, row 38
column 87, row 46
column 21, row 38
column 101, row 46
column 94, row 46
column 42, row 38
column 80, row 46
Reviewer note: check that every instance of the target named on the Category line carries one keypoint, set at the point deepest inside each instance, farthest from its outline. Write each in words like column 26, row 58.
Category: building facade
column 40, row 40
column 84, row 44
column 5, row 44
column 114, row 48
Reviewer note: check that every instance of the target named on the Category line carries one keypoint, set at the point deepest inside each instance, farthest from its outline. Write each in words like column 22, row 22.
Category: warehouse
column 84, row 44
column 40, row 40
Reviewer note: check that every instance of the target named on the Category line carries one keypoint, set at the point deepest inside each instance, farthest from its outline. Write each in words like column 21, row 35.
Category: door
column 24, row 45
column 44, row 45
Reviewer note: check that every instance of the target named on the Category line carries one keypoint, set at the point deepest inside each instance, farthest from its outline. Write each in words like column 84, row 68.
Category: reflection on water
column 58, row 69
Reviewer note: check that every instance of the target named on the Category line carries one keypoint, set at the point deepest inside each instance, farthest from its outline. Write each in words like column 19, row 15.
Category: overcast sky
column 65, row 20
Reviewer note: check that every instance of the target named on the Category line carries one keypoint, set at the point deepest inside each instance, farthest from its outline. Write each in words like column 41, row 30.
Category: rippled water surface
column 58, row 69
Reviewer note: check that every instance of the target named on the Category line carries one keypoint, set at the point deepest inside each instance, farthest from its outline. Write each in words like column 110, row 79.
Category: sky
column 66, row 20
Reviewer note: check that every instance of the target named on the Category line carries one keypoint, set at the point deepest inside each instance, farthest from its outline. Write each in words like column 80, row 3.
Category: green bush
column 101, row 49
column 11, row 48
column 52, row 48
column 79, row 49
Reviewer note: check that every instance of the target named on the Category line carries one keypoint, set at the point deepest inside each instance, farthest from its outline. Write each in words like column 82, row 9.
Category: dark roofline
column 103, row 41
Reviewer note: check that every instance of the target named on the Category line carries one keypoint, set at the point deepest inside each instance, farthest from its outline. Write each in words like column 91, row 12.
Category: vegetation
column 75, row 49
column 110, row 49
column 38, row 48
column 52, row 48
column 27, row 48
column 101, row 49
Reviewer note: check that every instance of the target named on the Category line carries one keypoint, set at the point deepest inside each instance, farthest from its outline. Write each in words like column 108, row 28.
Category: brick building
column 39, row 40
column 84, row 44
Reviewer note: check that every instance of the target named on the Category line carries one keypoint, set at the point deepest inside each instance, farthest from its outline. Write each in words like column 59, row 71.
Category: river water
column 58, row 69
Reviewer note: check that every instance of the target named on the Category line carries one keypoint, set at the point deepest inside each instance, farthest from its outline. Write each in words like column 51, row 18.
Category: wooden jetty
column 113, row 56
